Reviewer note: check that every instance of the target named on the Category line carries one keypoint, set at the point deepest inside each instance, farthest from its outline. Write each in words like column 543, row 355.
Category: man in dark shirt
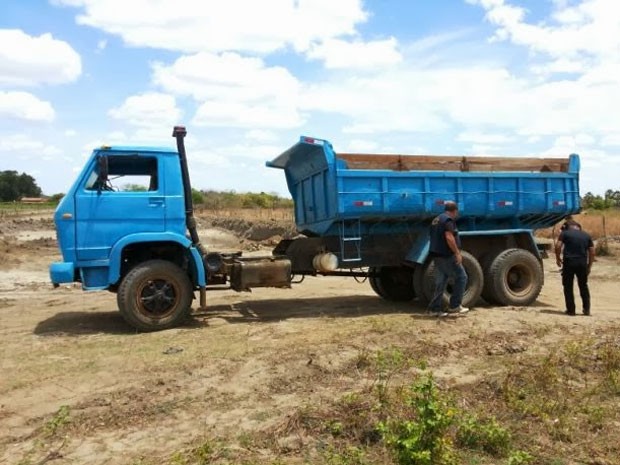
column 577, row 249
column 445, row 248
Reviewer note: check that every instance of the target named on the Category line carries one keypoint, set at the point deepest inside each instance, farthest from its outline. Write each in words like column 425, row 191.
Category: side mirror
column 102, row 165
column 102, row 172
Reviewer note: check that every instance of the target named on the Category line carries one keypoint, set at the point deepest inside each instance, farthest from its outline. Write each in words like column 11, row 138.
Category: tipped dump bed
column 492, row 192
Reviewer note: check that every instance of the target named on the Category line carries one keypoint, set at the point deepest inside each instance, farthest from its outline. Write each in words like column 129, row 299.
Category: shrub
column 484, row 435
column 423, row 439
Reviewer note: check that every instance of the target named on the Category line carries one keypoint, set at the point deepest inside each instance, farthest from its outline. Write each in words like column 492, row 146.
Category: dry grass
column 598, row 224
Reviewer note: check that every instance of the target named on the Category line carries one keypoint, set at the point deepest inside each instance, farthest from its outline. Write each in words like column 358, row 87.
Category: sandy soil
column 243, row 366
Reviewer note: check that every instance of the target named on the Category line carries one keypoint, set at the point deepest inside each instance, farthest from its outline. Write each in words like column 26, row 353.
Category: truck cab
column 126, row 212
column 126, row 225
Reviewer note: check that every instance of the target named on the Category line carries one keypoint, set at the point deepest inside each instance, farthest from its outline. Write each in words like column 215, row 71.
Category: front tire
column 155, row 295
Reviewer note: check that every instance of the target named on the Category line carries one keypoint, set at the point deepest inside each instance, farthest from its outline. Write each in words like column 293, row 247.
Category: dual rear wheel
column 508, row 277
column 512, row 277
column 425, row 281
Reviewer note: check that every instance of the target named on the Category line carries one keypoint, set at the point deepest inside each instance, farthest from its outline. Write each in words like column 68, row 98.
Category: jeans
column 570, row 269
column 446, row 268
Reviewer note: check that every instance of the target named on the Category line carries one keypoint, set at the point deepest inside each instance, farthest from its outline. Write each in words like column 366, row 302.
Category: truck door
column 128, row 199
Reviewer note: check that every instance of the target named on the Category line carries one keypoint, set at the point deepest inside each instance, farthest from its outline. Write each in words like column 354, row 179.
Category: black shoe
column 586, row 313
column 569, row 313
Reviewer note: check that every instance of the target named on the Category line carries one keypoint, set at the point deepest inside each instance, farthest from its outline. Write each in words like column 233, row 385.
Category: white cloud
column 25, row 106
column 112, row 138
column 202, row 163
column 24, row 147
column 599, row 168
column 483, row 99
column 484, row 138
column 611, row 140
column 225, row 77
column 337, row 53
column 588, row 30
column 244, row 115
column 261, row 135
column 26, row 60
column 214, row 25
column 149, row 110
column 360, row 145
column 381, row 103
column 260, row 152
column 102, row 44
column 233, row 90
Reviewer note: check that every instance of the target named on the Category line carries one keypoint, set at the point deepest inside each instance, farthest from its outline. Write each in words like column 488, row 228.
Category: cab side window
column 127, row 173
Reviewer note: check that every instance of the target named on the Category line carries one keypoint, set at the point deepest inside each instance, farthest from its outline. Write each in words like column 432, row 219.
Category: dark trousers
column 570, row 269
column 446, row 268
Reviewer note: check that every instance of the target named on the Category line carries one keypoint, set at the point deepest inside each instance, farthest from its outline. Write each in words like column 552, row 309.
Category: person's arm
column 558, row 251
column 451, row 241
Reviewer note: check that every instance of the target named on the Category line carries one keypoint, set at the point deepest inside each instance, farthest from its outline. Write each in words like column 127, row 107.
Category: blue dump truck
column 359, row 215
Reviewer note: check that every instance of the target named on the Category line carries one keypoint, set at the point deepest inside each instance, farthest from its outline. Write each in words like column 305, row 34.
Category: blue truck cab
column 126, row 225
column 101, row 222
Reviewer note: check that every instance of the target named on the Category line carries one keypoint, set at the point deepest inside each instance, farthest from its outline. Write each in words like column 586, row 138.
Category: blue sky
column 462, row 77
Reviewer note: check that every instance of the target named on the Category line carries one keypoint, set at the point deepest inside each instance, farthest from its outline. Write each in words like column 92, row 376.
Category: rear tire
column 374, row 283
column 420, row 276
column 475, row 280
column 516, row 277
column 394, row 283
column 488, row 293
column 155, row 295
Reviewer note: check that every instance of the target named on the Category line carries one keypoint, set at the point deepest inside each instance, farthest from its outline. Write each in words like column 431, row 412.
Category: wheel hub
column 157, row 298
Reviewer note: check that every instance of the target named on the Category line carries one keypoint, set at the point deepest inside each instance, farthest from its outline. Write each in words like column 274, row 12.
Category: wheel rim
column 157, row 298
column 520, row 280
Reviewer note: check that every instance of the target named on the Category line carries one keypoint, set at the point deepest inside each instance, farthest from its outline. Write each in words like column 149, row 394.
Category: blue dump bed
column 382, row 191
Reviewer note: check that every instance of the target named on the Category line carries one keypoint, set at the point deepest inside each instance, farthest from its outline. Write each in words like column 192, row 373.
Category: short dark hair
column 451, row 206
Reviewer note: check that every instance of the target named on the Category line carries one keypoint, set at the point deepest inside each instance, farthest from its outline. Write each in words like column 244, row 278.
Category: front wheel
column 155, row 295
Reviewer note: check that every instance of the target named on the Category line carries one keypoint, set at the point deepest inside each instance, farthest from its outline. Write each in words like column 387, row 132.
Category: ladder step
column 351, row 237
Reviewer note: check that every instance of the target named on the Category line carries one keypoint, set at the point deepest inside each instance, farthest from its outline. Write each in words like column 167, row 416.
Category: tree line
column 14, row 186
column 219, row 200
column 611, row 199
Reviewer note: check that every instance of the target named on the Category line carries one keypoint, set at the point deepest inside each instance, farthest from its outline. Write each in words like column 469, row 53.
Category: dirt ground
column 69, row 363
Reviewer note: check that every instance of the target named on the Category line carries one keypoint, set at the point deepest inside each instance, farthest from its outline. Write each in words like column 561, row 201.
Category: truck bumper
column 62, row 272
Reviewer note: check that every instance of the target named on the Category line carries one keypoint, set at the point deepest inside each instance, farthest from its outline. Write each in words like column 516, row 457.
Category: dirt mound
column 257, row 231
column 16, row 225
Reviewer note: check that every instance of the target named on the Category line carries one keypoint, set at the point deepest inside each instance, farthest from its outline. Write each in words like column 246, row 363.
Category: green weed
column 351, row 455
column 58, row 421
column 485, row 435
column 422, row 439
column 520, row 458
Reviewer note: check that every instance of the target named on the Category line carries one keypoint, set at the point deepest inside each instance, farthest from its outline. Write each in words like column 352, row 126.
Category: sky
column 247, row 78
